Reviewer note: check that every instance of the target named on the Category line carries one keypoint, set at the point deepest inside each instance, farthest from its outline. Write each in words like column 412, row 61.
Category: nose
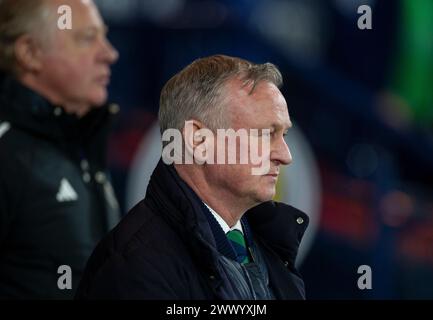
column 280, row 152
column 109, row 53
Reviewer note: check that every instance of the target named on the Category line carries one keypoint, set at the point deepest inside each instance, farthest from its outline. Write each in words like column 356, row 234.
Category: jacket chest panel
column 56, row 202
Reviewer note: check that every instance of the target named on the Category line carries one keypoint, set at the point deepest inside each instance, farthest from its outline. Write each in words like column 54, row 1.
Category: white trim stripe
column 4, row 127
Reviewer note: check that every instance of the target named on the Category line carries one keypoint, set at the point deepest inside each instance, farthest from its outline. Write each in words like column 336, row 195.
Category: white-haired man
column 208, row 229
column 56, row 202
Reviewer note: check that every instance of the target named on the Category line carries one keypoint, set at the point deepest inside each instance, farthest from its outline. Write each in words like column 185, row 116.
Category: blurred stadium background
column 362, row 104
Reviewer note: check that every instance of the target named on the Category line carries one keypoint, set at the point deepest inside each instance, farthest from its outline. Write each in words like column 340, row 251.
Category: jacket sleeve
column 13, row 182
column 5, row 201
column 120, row 278
column 4, row 219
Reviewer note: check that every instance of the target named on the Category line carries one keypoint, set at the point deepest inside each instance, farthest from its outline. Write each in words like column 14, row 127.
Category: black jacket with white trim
column 56, row 201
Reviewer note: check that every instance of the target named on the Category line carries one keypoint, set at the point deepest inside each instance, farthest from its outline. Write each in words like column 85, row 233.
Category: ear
column 191, row 137
column 28, row 54
column 199, row 142
column 190, row 132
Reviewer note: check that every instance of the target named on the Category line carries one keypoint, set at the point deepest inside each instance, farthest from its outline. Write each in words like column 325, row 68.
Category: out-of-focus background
column 362, row 104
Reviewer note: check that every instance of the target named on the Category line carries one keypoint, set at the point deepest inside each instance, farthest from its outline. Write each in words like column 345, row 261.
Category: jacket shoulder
column 16, row 144
column 23, row 156
column 16, row 154
column 142, row 257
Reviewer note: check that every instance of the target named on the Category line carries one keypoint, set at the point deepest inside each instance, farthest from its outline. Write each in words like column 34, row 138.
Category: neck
column 228, row 206
column 30, row 81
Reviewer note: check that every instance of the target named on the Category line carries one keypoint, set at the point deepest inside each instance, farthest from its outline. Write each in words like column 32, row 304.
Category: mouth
column 274, row 175
column 103, row 80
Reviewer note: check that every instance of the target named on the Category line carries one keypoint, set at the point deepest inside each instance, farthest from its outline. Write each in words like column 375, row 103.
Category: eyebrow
column 104, row 28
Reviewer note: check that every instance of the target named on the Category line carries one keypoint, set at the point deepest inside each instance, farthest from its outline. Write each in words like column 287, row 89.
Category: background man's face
column 76, row 63
column 265, row 108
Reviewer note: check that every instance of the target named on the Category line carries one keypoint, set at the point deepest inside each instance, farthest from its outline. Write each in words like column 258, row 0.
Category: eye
column 285, row 134
column 88, row 37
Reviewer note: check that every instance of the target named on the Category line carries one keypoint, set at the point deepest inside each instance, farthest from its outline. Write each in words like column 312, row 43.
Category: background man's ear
column 27, row 54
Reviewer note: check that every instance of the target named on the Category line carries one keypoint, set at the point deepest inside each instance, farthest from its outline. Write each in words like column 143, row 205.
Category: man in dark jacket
column 56, row 201
column 208, row 229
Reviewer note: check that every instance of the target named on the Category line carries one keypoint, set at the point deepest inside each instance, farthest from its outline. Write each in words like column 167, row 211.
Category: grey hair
column 195, row 92
column 18, row 17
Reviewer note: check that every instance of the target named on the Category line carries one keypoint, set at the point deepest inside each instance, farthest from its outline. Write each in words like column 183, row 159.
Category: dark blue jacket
column 165, row 249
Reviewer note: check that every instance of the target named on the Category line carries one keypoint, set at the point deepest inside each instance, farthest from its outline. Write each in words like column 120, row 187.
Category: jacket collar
column 280, row 227
column 180, row 207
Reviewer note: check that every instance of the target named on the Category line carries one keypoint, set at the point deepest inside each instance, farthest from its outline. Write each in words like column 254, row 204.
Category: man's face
column 265, row 108
column 76, row 63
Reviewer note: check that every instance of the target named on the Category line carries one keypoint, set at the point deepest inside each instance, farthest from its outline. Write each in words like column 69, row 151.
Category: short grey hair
column 195, row 92
column 18, row 17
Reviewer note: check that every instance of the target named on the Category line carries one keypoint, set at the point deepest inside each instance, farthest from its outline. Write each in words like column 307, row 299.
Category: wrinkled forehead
column 262, row 107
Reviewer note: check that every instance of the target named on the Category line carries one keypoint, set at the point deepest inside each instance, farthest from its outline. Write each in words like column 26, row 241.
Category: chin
column 99, row 97
column 266, row 195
